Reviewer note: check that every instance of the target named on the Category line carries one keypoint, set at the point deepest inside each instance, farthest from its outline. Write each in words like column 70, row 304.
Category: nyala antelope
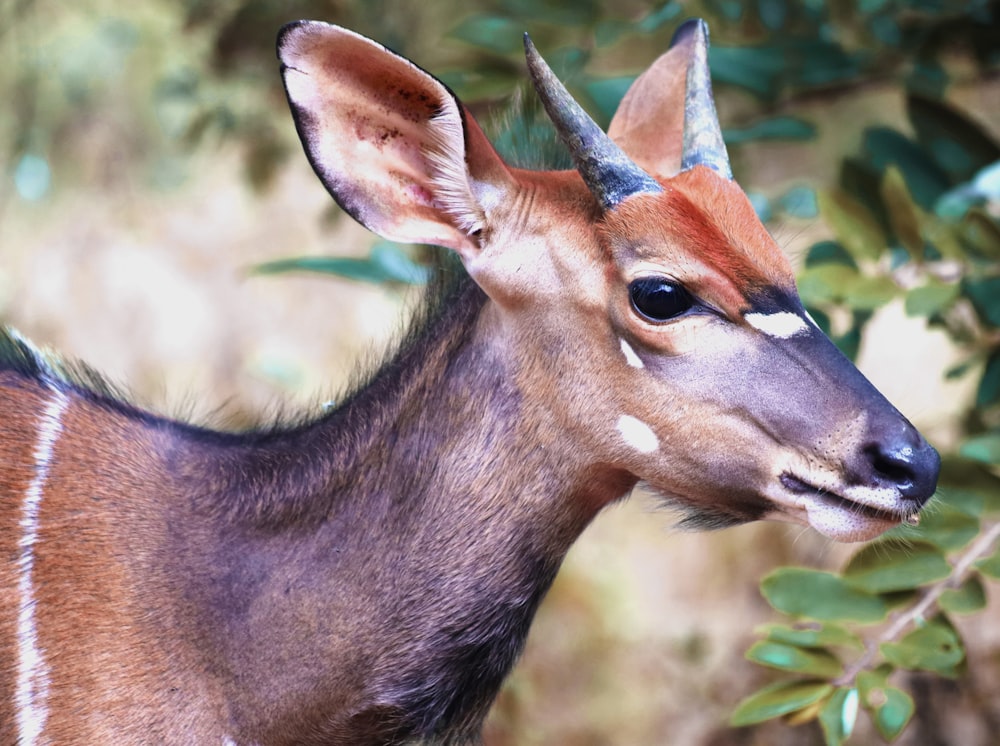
column 369, row 576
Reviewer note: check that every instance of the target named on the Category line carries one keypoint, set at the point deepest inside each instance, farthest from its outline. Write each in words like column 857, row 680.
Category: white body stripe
column 634, row 360
column 783, row 324
column 32, row 670
column 638, row 434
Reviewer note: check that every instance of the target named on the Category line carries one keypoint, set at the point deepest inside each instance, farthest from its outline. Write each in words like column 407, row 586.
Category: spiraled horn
column 703, row 143
column 610, row 175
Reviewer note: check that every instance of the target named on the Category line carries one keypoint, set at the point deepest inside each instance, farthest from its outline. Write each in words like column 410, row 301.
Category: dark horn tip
column 691, row 27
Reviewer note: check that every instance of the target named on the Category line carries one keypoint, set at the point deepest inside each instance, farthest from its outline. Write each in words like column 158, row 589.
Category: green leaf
column 885, row 147
column 985, row 297
column 969, row 598
column 886, row 29
column 825, row 283
column 815, row 661
column 811, row 635
column 610, row 31
column 772, row 13
column 778, row 699
column 731, row 10
column 659, row 17
column 887, row 565
column 990, row 567
column 871, row 683
column 904, row 215
column 927, row 78
column 494, row 33
column 933, row 647
column 988, row 392
column 800, row 202
column 799, row 591
column 894, row 714
column 757, row 69
column 947, row 525
column 932, row 298
column 812, row 61
column 775, row 128
column 487, row 81
column 871, row 293
column 839, row 715
column 554, row 12
column 853, row 224
column 829, row 252
column 958, row 145
column 386, row 263
column 984, row 448
column 607, row 93
column 397, row 265
column 822, row 319
column 849, row 342
column 761, row 206
column 983, row 232
column 968, row 485
column 348, row 267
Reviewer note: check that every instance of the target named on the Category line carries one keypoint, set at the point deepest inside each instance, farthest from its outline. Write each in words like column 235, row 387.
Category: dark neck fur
column 370, row 577
column 423, row 525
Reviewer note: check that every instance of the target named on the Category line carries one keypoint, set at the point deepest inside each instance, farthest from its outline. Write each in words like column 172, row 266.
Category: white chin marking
column 630, row 355
column 843, row 525
column 638, row 434
column 783, row 324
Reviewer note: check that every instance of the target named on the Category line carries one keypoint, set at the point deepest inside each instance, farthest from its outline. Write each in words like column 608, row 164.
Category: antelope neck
column 432, row 498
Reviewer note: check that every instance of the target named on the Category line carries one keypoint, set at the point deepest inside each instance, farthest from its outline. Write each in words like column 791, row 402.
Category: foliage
column 914, row 218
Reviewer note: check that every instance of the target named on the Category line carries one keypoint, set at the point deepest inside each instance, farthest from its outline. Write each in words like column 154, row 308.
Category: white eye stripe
column 638, row 434
column 783, row 324
column 630, row 357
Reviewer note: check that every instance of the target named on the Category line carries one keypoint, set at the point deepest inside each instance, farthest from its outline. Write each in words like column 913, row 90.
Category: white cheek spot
column 783, row 324
column 630, row 355
column 638, row 434
column 32, row 670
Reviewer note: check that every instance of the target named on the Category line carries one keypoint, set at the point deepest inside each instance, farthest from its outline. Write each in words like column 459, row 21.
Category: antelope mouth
column 845, row 518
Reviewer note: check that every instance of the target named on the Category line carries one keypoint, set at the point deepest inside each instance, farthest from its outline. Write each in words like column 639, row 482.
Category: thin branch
column 928, row 597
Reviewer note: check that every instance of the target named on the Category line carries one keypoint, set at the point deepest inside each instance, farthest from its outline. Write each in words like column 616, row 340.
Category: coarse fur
column 368, row 575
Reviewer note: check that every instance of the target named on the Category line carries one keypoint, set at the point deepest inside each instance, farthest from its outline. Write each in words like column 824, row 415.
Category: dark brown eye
column 659, row 299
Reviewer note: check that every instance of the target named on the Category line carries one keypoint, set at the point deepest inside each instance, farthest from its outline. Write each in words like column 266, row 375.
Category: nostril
column 894, row 465
column 911, row 470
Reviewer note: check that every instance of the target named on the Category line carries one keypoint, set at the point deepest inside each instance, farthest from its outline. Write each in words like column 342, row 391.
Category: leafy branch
column 908, row 226
column 927, row 600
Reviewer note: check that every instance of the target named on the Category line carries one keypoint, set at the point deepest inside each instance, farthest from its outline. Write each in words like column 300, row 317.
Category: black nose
column 907, row 463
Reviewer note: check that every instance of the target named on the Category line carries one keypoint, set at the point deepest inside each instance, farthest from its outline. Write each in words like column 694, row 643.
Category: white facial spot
column 638, row 434
column 783, row 324
column 630, row 355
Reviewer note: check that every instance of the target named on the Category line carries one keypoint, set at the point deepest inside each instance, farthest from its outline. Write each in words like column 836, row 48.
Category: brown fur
column 370, row 577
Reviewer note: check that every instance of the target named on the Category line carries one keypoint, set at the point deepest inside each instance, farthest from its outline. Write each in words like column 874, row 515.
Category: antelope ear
column 649, row 123
column 390, row 142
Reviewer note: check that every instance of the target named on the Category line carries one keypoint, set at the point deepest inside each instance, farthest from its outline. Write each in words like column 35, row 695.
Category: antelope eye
column 658, row 299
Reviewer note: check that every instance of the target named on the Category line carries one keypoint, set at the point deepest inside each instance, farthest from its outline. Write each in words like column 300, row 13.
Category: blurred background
column 149, row 172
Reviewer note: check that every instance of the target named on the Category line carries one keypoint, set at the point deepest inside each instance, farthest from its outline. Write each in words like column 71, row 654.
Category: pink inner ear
column 370, row 121
column 649, row 123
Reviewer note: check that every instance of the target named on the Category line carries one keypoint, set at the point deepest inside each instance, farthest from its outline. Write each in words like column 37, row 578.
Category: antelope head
column 654, row 322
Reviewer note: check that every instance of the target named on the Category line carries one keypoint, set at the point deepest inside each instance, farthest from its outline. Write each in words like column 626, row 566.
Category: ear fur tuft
column 451, row 179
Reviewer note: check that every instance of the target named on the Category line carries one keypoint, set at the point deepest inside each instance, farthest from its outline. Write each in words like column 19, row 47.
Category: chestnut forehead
column 703, row 229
